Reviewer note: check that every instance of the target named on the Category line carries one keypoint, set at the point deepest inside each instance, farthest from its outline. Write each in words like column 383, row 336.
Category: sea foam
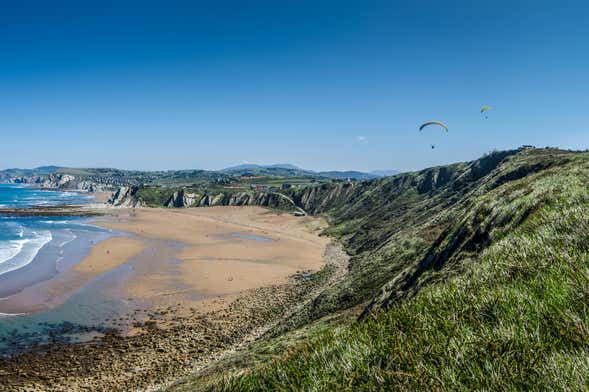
column 16, row 254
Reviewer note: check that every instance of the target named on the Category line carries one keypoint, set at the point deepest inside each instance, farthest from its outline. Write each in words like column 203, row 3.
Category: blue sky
column 321, row 84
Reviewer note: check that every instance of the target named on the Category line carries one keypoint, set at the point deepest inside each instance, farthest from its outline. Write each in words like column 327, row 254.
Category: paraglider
column 438, row 123
column 485, row 109
column 441, row 124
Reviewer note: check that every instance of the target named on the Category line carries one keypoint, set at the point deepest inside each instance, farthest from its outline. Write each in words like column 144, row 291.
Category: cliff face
column 305, row 200
column 125, row 197
column 185, row 199
column 319, row 199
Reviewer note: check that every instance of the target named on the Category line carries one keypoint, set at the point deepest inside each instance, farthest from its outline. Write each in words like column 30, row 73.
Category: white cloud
column 361, row 139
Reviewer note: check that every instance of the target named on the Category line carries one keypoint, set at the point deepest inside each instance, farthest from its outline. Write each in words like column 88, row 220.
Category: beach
column 173, row 289
column 218, row 251
column 184, row 256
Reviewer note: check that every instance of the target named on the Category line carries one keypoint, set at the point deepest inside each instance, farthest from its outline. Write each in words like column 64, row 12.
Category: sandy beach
column 220, row 250
column 187, row 257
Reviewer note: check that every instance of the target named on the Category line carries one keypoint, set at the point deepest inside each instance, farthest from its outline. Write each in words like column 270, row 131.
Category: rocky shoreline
column 169, row 344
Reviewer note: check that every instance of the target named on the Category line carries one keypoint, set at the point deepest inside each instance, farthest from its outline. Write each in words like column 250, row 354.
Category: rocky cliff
column 185, row 199
column 312, row 199
column 125, row 197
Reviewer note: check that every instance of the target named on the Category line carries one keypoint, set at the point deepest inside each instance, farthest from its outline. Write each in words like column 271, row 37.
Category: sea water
column 35, row 249
column 21, row 238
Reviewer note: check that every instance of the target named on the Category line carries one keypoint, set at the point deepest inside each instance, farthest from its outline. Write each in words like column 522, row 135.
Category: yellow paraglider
column 485, row 109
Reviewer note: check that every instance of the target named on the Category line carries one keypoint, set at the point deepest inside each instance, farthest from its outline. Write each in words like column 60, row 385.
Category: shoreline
column 165, row 265
column 58, row 240
column 208, row 246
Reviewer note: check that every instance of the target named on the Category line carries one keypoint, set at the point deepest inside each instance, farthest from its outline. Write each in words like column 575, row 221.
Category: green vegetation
column 476, row 277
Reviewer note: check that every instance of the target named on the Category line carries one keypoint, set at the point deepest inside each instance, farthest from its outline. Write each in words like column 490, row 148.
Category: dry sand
column 219, row 251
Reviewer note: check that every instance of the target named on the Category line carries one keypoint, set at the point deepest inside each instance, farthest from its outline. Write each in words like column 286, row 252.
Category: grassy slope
column 502, row 269
column 400, row 230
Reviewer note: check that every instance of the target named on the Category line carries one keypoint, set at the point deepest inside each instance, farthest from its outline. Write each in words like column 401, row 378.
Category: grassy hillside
column 475, row 276
column 400, row 230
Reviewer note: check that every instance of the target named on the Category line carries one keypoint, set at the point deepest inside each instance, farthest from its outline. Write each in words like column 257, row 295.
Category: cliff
column 125, row 197
column 182, row 198
column 185, row 198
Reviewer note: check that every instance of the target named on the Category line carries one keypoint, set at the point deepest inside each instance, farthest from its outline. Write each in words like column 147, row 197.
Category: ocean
column 34, row 250
column 21, row 239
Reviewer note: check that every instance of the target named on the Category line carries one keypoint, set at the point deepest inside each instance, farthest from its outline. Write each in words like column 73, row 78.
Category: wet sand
column 103, row 257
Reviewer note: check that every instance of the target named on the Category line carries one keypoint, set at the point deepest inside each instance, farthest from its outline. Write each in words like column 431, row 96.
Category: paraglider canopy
column 426, row 124
column 485, row 109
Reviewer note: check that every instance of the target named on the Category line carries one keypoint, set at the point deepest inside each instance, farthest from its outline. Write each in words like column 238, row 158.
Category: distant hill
column 384, row 173
column 193, row 176
column 344, row 175
column 38, row 171
column 250, row 166
column 46, row 169
column 286, row 169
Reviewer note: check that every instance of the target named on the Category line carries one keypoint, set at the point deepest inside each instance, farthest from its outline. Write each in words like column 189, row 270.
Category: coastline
column 217, row 251
column 209, row 275
column 66, row 235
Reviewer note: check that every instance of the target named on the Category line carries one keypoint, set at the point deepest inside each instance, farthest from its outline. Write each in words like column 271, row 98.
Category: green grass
column 401, row 229
column 500, row 301
column 261, row 351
